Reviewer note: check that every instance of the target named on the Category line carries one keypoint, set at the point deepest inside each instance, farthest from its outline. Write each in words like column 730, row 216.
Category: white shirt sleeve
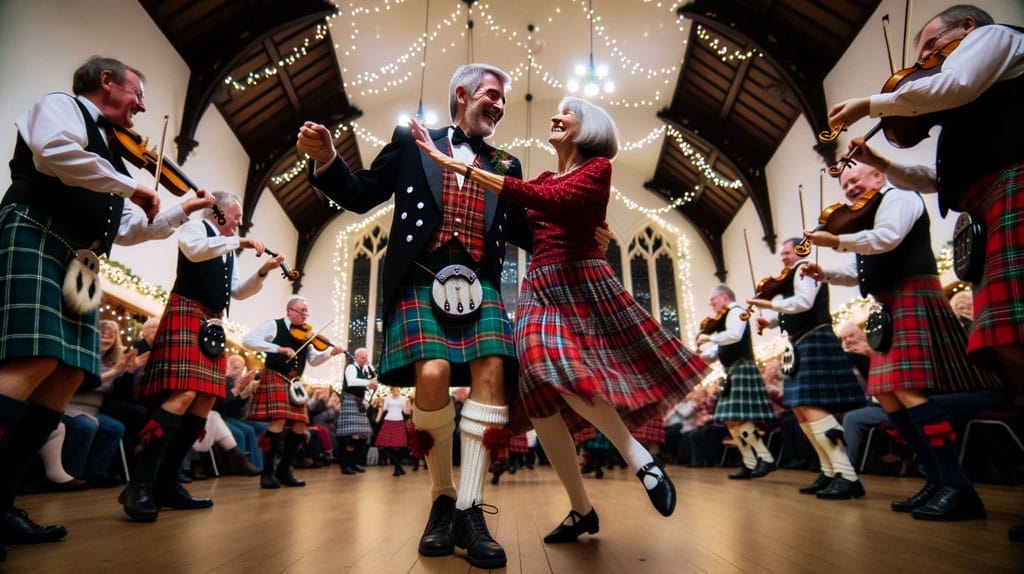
column 845, row 275
column 54, row 130
column 987, row 55
column 734, row 327
column 136, row 228
column 317, row 357
column 197, row 246
column 805, row 289
column 920, row 178
column 896, row 214
column 260, row 338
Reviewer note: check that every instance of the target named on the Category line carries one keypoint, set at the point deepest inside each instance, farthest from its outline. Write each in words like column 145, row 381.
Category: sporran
column 212, row 338
column 456, row 293
column 82, row 291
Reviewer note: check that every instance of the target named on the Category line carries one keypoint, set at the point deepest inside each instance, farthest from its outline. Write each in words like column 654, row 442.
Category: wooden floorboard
column 371, row 524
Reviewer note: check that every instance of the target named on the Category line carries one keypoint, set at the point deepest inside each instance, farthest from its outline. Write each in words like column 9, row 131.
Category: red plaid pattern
column 998, row 314
column 929, row 346
column 518, row 444
column 176, row 363
column 463, row 217
column 393, row 434
column 579, row 331
column 651, row 431
column 270, row 401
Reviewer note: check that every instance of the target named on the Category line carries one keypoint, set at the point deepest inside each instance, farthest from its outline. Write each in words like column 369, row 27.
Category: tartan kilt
column 33, row 321
column 929, row 345
column 579, row 332
column 393, row 434
column 518, row 444
column 176, row 363
column 824, row 376
column 415, row 333
column 999, row 296
column 350, row 421
column 747, row 399
column 652, row 431
column 270, row 401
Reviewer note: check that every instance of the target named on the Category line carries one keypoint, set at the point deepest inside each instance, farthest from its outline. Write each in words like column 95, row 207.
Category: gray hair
column 723, row 289
column 222, row 200
column 295, row 299
column 598, row 136
column 955, row 14
column 87, row 76
column 469, row 76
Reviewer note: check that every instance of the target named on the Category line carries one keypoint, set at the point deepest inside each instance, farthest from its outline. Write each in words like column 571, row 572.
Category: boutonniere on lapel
column 501, row 161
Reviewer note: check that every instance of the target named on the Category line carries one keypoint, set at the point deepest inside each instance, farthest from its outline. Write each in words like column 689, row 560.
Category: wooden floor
column 371, row 523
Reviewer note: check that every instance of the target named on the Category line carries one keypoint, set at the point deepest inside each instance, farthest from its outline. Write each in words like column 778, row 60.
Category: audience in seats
column 706, row 440
column 234, row 408
column 678, row 422
column 217, row 433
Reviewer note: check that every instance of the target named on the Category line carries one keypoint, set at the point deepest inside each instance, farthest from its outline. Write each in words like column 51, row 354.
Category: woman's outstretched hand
column 422, row 136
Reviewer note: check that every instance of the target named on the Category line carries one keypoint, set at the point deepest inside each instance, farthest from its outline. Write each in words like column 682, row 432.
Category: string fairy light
column 717, row 45
column 297, row 53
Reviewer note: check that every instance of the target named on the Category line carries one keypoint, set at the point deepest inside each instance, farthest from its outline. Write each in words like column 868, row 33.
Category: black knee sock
column 189, row 430
column 21, row 443
column 935, row 426
column 156, row 435
column 11, row 411
column 270, row 456
column 917, row 442
column 292, row 441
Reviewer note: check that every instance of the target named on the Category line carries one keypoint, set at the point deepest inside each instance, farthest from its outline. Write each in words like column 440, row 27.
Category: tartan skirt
column 270, row 401
column 350, row 421
column 579, row 332
column 652, row 431
column 999, row 296
column 929, row 345
column 33, row 320
column 415, row 333
column 746, row 399
column 393, row 434
column 175, row 362
column 824, row 376
column 518, row 444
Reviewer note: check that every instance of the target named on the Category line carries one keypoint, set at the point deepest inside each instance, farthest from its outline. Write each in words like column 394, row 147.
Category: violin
column 304, row 334
column 840, row 218
column 769, row 287
column 709, row 325
column 286, row 272
column 900, row 131
column 132, row 147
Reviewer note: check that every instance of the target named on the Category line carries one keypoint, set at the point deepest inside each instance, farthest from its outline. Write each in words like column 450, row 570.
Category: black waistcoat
column 797, row 324
column 278, row 361
column 742, row 349
column 980, row 138
column 80, row 216
column 913, row 256
column 208, row 282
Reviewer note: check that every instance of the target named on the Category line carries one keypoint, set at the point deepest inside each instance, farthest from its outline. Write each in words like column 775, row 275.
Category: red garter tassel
column 420, row 443
column 151, row 430
column 496, row 441
column 940, row 433
column 263, row 443
column 202, row 435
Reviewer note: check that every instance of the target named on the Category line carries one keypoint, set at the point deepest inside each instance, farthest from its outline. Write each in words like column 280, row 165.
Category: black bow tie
column 460, row 137
column 103, row 122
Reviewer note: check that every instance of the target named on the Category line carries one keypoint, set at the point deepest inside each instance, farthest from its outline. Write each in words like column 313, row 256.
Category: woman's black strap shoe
column 573, row 525
column 663, row 495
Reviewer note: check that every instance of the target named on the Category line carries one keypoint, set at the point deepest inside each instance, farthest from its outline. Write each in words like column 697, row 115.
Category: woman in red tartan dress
column 585, row 346
column 895, row 263
column 184, row 380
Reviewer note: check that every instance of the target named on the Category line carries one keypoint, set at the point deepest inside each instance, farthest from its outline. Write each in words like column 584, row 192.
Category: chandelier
column 589, row 79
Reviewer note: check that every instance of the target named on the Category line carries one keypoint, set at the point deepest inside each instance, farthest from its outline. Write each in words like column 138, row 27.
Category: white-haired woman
column 586, row 348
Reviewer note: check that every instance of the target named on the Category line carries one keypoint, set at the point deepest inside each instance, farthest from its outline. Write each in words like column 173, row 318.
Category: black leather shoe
column 358, row 468
column 138, row 502
column 469, row 531
column 663, row 495
column 573, row 525
column 180, row 499
column 743, row 474
column 287, row 477
column 269, row 481
column 347, row 470
column 819, row 484
column 1016, row 533
column 842, row 489
column 918, row 500
column 437, row 536
column 762, row 468
column 951, row 503
column 399, row 471
column 17, row 528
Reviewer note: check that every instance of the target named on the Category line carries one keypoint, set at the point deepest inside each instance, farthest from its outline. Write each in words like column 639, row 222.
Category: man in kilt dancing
column 896, row 265
column 287, row 357
column 744, row 401
column 67, row 193
column 821, row 381
column 182, row 376
column 442, row 220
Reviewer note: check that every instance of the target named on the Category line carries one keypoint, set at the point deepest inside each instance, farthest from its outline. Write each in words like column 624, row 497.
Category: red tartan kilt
column 518, row 444
column 270, row 401
column 584, row 434
column 651, row 431
column 393, row 434
column 175, row 362
column 998, row 320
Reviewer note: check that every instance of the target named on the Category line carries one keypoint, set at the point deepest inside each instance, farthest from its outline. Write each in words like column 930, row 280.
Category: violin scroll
column 830, row 135
column 286, row 272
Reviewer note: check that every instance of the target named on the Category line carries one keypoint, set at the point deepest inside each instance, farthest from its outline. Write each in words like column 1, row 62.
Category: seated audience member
column 962, row 303
column 706, row 441
column 234, row 408
column 320, row 437
column 680, row 420
column 57, row 478
column 120, row 403
column 216, row 432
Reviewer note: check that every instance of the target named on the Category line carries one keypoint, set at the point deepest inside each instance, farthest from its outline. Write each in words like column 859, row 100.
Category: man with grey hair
column 443, row 223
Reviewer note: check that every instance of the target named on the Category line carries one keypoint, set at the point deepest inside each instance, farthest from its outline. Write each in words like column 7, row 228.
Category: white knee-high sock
column 742, row 444
column 441, row 426
column 50, row 455
column 476, row 419
column 756, row 440
column 823, row 458
column 836, row 451
column 603, row 415
column 561, row 452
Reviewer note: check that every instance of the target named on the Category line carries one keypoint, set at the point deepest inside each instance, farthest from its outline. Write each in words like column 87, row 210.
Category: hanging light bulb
column 590, row 79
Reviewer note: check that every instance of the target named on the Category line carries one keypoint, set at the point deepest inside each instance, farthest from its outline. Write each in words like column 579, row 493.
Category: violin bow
column 888, row 44
column 311, row 337
column 160, row 155
column 750, row 266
